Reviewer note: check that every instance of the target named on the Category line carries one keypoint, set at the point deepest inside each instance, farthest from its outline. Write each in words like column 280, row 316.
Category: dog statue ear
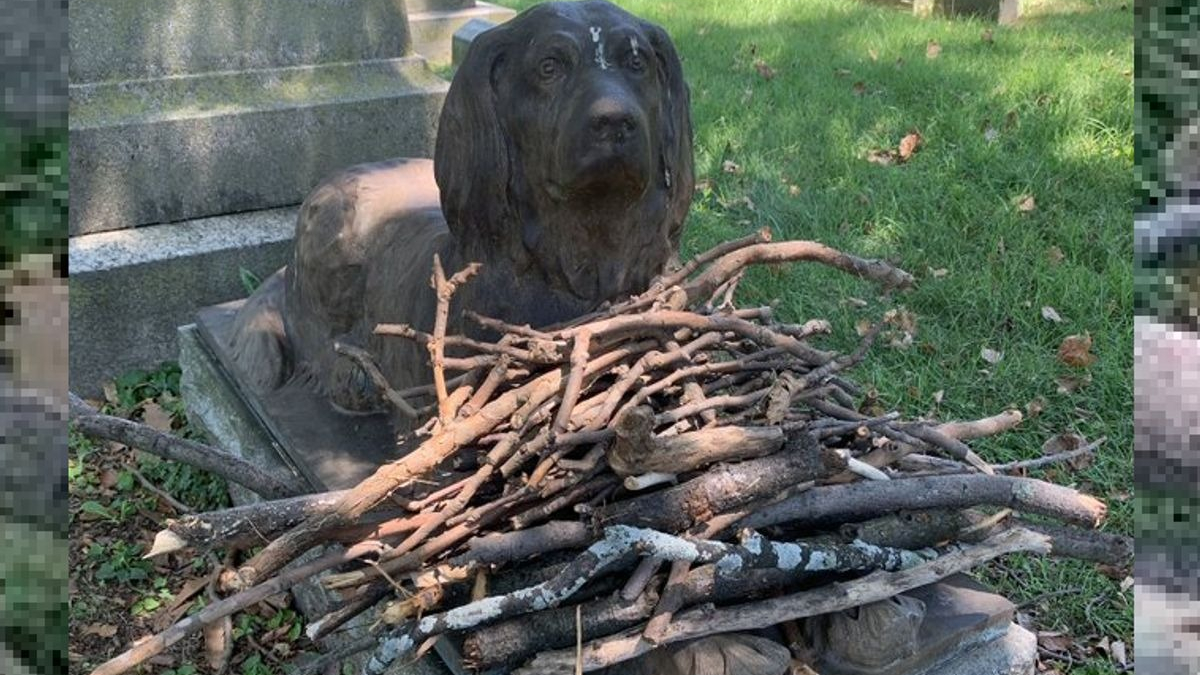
column 677, row 161
column 472, row 157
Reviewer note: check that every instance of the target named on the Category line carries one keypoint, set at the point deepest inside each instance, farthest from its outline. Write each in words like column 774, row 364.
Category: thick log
column 831, row 505
column 751, row 616
column 725, row 487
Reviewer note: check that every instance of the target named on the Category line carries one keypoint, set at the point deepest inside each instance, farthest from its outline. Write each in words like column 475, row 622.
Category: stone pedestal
column 1000, row 11
column 190, row 120
column 434, row 22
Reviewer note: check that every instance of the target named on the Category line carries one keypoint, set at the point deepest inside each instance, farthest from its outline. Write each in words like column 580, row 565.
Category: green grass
column 1057, row 90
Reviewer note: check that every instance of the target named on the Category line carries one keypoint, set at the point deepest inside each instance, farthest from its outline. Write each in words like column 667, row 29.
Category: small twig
column 1025, row 465
column 365, row 361
column 445, row 291
column 179, row 506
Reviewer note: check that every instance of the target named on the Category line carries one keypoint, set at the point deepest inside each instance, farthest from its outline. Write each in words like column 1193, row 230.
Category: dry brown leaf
column 860, row 88
column 991, row 355
column 1055, row 255
column 109, row 478
column 841, row 72
column 102, row 630
column 1069, row 384
column 156, row 416
column 1035, row 407
column 793, row 190
column 933, row 49
column 1063, row 443
column 1051, row 314
column 881, row 157
column 872, row 54
column 938, row 273
column 938, row 396
column 1075, row 351
column 764, row 70
column 730, row 166
column 1054, row 641
column 1026, row 203
column 218, row 644
column 862, row 327
column 110, row 393
column 1010, row 119
column 988, row 36
column 909, row 145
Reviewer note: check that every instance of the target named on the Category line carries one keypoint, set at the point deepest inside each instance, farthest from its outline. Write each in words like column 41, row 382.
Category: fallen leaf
column 1026, row 203
column 156, row 416
column 1001, row 249
column 1061, row 443
column 938, row 273
column 1055, row 255
column 109, row 478
column 873, row 55
column 102, row 630
column 1126, row 584
column 110, row 393
column 988, row 36
column 860, row 88
column 862, row 327
column 881, row 157
column 1069, row 384
column 1119, row 654
column 841, row 72
column 793, row 190
column 704, row 185
column 1075, row 351
column 991, row 355
column 1054, row 641
column 938, row 395
column 909, row 145
column 990, row 134
column 1010, row 119
column 1035, row 407
column 933, row 49
column 857, row 302
column 748, row 203
column 218, row 643
column 730, row 166
column 1050, row 314
column 764, row 70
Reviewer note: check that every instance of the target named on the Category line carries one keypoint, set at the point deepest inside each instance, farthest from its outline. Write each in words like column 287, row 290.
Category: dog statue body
column 563, row 164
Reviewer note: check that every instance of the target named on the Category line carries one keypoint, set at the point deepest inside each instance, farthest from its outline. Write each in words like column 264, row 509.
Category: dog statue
column 563, row 164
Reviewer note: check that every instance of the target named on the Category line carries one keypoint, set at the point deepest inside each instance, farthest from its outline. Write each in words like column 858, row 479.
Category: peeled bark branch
column 824, row 600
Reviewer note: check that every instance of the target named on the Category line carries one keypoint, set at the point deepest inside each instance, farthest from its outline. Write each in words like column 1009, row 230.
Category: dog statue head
column 565, row 150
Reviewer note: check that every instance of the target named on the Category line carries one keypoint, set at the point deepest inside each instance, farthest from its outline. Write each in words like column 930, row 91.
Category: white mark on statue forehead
column 600, row 60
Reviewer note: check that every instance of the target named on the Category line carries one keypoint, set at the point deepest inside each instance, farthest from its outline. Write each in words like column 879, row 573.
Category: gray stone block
column 131, row 289
column 1013, row 652
column 463, row 37
column 137, row 39
column 173, row 149
column 1001, row 11
column 433, row 30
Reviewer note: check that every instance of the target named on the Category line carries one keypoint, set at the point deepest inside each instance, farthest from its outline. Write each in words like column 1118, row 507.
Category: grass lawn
column 1041, row 110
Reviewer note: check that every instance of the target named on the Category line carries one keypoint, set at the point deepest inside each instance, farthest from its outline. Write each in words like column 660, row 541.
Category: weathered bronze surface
column 563, row 164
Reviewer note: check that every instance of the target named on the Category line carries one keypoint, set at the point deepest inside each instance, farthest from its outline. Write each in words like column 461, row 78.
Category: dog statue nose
column 611, row 120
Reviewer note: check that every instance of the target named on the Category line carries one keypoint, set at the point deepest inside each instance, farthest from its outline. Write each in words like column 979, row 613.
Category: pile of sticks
column 656, row 471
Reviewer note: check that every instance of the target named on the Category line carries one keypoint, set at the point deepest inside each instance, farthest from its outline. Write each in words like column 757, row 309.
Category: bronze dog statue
column 563, row 164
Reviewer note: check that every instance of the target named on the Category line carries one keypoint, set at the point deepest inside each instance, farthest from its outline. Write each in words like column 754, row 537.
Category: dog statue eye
column 550, row 68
